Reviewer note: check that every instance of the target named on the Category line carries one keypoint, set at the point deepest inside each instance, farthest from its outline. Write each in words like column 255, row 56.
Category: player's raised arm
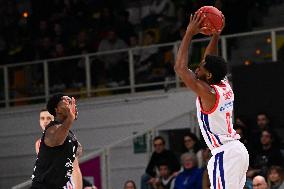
column 56, row 136
column 181, row 67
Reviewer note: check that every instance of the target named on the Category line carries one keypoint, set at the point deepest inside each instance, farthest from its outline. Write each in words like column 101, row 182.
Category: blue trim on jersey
column 208, row 127
column 215, row 170
column 221, row 168
column 219, row 160
column 204, row 127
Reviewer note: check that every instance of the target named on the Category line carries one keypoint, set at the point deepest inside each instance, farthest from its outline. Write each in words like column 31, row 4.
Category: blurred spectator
column 159, row 10
column 263, row 122
column 43, row 30
column 59, row 51
column 147, row 57
column 259, row 182
column 191, row 144
column 116, row 65
column 123, row 27
column 191, row 176
column 166, row 179
column 130, row 184
column 242, row 131
column 82, row 42
column 275, row 177
column 59, row 35
column 45, row 48
column 161, row 154
column 267, row 155
column 280, row 54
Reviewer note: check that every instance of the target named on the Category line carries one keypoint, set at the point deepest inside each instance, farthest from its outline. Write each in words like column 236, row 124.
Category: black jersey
column 54, row 165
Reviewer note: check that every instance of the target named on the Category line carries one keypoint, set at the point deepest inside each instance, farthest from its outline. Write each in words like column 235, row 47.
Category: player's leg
column 210, row 167
column 235, row 164
column 227, row 168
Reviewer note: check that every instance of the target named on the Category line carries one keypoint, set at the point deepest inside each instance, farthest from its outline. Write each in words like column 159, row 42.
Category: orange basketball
column 214, row 19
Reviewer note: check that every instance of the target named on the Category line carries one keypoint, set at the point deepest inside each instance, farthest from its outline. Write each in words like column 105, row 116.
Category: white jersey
column 216, row 125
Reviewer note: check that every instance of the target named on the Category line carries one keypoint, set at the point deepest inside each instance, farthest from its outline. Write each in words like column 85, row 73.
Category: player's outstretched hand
column 70, row 106
column 194, row 26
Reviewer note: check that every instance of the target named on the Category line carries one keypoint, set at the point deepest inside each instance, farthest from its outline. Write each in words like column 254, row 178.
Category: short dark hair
column 263, row 113
column 163, row 162
column 159, row 138
column 217, row 66
column 53, row 102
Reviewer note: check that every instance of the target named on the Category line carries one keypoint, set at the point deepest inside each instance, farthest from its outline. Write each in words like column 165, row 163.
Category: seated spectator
column 191, row 144
column 166, row 179
column 259, row 182
column 147, row 57
column 159, row 10
column 191, row 176
column 275, row 177
column 116, row 65
column 262, row 122
column 267, row 155
column 123, row 27
column 242, row 131
column 130, row 184
column 161, row 154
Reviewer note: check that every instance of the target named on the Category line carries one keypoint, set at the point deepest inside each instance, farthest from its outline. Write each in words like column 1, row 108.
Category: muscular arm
column 187, row 76
column 77, row 175
column 37, row 145
column 56, row 135
column 212, row 48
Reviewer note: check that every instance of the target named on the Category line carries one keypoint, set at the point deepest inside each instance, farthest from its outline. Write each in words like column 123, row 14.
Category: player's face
column 164, row 171
column 189, row 142
column 274, row 176
column 44, row 118
column 201, row 72
column 159, row 146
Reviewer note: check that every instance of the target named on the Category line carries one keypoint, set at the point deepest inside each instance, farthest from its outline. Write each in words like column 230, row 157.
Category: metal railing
column 33, row 82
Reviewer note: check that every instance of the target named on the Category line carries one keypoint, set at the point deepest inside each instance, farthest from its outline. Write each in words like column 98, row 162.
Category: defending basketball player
column 229, row 163
column 58, row 148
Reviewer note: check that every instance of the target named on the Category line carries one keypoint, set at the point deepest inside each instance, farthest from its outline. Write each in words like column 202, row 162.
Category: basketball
column 214, row 19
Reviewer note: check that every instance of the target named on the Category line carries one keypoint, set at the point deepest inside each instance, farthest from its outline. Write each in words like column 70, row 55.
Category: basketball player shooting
column 58, row 147
column 229, row 162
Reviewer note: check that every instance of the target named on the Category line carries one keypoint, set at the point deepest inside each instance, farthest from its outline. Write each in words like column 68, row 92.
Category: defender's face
column 44, row 119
